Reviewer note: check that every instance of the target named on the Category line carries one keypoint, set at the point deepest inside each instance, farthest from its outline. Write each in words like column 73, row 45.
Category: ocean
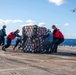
column 67, row 42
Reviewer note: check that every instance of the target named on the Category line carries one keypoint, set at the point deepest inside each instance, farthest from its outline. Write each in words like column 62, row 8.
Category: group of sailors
column 51, row 42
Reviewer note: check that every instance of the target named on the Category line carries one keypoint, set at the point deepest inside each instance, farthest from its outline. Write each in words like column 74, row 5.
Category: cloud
column 28, row 23
column 4, row 21
column 41, row 24
column 31, row 22
column 57, row 2
column 56, row 24
column 70, row 35
column 1, row 21
column 66, row 24
column 9, row 21
column 17, row 21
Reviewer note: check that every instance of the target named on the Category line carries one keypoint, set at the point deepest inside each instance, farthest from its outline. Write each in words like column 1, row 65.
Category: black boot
column 3, row 48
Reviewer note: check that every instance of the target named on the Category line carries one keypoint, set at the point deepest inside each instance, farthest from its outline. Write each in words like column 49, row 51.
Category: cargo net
column 35, row 38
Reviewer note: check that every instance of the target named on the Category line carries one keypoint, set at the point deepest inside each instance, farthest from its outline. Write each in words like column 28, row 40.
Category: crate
column 35, row 39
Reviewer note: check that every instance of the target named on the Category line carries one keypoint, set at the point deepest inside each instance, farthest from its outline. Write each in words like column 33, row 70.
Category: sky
column 17, row 13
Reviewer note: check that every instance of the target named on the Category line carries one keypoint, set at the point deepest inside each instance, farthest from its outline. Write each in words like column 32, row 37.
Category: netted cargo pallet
column 35, row 38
